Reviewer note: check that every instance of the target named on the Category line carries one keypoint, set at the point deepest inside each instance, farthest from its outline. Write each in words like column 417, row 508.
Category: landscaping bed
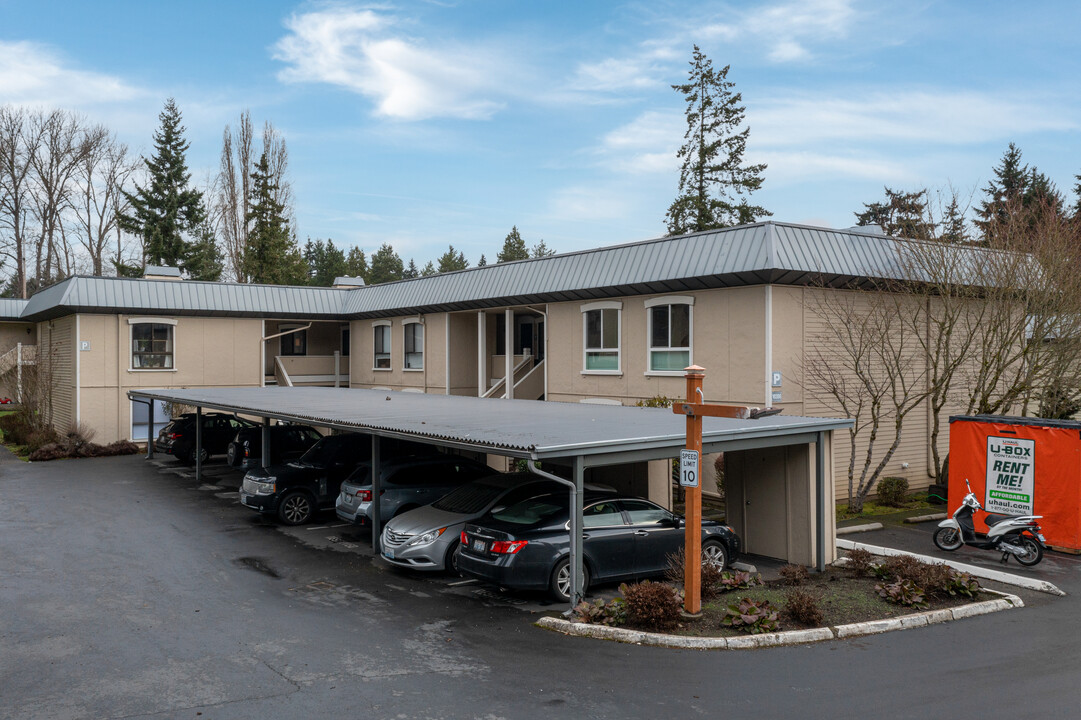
column 737, row 603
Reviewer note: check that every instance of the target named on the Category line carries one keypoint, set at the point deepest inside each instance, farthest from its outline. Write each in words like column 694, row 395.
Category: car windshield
column 533, row 511
column 321, row 451
column 470, row 498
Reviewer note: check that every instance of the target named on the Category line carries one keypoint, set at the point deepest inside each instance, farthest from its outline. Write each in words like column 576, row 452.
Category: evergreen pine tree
column 203, row 259
column 325, row 262
column 484, row 261
column 271, row 254
column 901, row 215
column 166, row 208
column 1076, row 192
column 410, row 271
column 356, row 265
column 452, row 260
column 542, row 250
column 429, row 269
column 386, row 265
column 953, row 224
column 1003, row 191
column 713, row 180
column 513, row 247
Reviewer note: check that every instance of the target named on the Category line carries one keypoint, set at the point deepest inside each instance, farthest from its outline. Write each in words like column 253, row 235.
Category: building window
column 382, row 346
column 295, row 343
column 151, row 346
column 669, row 333
column 601, row 333
column 414, row 346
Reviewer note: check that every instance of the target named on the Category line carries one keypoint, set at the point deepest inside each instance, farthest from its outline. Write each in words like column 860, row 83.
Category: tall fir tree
column 386, row 266
column 356, row 264
column 428, row 269
column 541, row 249
column 513, row 247
column 271, row 254
column 203, row 259
column 452, row 260
column 167, row 207
column 325, row 262
column 902, row 214
column 484, row 261
column 1077, row 193
column 410, row 271
column 1003, row 191
column 953, row 227
column 714, row 182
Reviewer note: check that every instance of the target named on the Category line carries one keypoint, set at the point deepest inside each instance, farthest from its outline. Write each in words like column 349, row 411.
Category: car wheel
column 713, row 553
column 295, row 508
column 450, row 560
column 232, row 455
column 560, row 583
column 189, row 458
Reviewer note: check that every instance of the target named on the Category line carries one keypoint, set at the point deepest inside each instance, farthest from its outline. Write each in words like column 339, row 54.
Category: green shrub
column 934, row 578
column 962, row 584
column 652, row 605
column 902, row 592
column 800, row 606
column 599, row 612
column 794, row 574
column 892, row 491
column 751, row 616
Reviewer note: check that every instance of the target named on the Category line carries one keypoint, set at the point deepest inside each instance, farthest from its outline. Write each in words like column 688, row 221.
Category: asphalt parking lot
column 131, row 591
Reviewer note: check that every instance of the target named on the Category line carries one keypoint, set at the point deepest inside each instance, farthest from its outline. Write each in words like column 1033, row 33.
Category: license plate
column 388, row 554
column 478, row 545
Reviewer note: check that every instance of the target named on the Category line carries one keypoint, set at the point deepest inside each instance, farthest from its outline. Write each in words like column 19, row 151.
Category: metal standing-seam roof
column 766, row 252
column 12, row 308
column 188, row 297
column 520, row 428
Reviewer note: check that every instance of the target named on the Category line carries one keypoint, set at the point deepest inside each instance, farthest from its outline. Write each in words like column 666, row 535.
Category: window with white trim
column 600, row 336
column 414, row 345
column 151, row 346
column 669, row 335
column 381, row 359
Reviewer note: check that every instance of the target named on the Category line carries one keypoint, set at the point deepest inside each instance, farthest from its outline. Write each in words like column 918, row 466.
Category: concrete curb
column 974, row 570
column 790, row 637
column 859, row 528
column 926, row 518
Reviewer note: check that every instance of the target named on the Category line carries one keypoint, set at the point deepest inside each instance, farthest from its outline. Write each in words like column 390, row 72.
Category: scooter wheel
column 948, row 539
column 1033, row 551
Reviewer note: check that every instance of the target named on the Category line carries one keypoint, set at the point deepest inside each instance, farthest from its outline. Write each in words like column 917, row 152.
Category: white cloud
column 579, row 203
column 785, row 29
column 938, row 116
column 405, row 78
column 33, row 74
column 787, row 167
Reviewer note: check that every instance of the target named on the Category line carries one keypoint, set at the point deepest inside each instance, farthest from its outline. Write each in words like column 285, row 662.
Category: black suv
column 178, row 437
column 295, row 491
column 287, row 442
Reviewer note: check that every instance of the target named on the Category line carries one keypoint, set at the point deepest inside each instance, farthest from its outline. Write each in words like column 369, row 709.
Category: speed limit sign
column 688, row 468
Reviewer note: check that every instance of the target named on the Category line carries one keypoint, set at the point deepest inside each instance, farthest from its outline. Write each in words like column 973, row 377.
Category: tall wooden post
column 692, row 580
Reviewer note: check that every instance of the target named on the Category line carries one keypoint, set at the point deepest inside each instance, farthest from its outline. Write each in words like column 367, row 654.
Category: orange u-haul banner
column 1020, row 466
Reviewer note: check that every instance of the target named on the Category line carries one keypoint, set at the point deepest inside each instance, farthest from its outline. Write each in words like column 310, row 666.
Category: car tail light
column 364, row 495
column 464, row 538
column 508, row 547
column 174, row 436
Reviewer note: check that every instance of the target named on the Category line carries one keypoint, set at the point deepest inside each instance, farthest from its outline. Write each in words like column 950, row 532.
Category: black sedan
column 178, row 437
column 527, row 545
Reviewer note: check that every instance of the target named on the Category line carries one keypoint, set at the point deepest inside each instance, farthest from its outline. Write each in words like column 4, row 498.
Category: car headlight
column 266, row 486
column 428, row 537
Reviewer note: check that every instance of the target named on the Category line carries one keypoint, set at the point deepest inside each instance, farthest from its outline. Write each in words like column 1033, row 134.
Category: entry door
column 765, row 503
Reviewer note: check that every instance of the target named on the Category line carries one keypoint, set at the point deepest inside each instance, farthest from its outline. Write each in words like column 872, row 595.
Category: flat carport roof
column 577, row 434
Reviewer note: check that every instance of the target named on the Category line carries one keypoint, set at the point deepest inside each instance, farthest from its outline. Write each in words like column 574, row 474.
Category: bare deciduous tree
column 101, row 176
column 19, row 140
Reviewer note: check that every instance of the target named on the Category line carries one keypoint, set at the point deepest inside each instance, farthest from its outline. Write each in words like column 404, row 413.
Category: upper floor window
column 669, row 333
column 601, row 333
column 382, row 345
column 414, row 345
column 152, row 345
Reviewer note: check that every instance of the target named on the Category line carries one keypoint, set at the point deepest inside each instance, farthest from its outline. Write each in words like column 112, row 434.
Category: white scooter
column 1017, row 535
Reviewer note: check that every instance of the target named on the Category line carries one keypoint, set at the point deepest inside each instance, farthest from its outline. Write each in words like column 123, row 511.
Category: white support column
column 482, row 354
column 508, row 353
column 769, row 347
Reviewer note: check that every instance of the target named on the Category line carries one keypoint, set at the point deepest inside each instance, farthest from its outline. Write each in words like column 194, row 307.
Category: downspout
column 575, row 529
column 262, row 355
column 78, row 357
column 769, row 347
column 482, row 361
column 446, row 353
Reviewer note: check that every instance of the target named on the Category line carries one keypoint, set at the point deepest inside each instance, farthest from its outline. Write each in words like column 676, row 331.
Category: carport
column 575, row 436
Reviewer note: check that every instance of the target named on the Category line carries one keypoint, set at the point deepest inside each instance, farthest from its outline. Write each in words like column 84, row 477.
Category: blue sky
column 428, row 123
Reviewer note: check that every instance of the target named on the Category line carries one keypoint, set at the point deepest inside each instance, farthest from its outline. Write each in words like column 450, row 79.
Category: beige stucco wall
column 209, row 352
column 430, row 379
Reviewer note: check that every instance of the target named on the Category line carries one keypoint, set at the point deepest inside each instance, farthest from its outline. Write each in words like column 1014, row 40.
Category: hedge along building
column 609, row 325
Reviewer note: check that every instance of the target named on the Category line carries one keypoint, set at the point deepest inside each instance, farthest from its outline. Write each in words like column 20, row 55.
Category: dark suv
column 287, row 442
column 178, row 437
column 295, row 491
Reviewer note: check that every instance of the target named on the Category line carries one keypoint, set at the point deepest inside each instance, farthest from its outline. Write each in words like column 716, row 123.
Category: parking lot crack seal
column 1004, row 601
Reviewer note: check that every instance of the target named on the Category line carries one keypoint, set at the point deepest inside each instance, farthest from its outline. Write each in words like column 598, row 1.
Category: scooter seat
column 996, row 518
